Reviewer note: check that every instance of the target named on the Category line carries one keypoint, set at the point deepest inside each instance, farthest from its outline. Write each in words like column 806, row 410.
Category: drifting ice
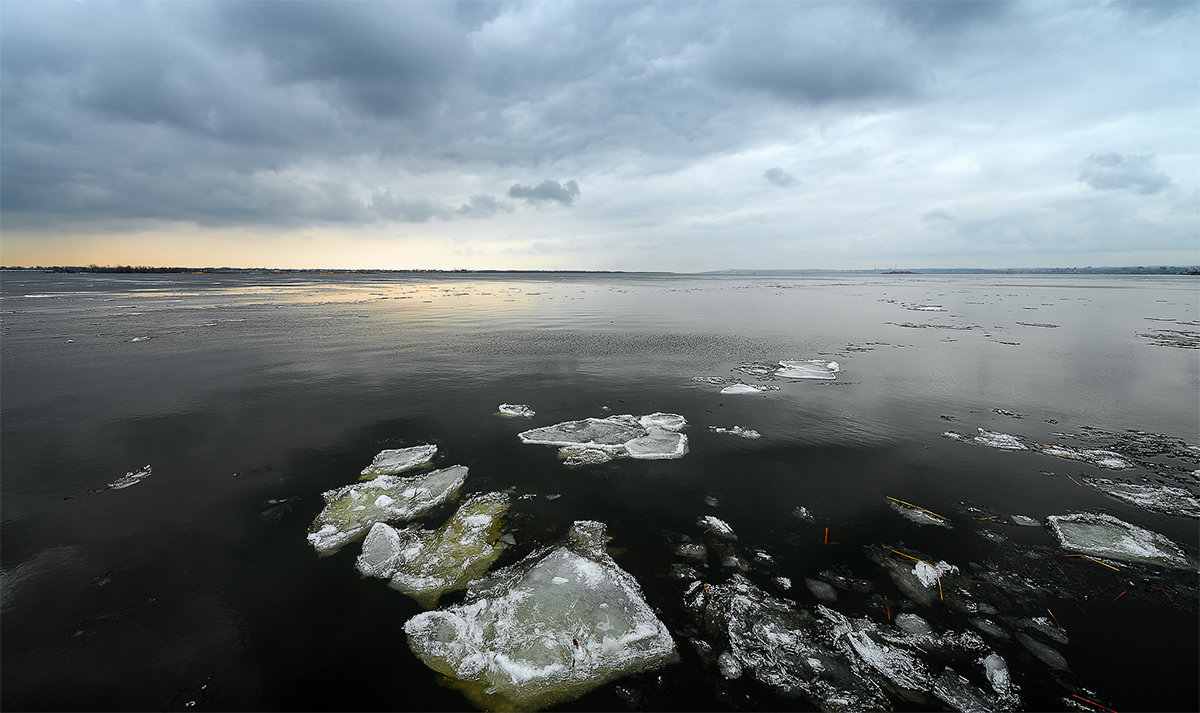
column 545, row 630
column 652, row 437
column 1172, row 501
column 991, row 439
column 391, row 462
column 516, row 411
column 744, row 389
column 1106, row 536
column 426, row 564
column 737, row 431
column 352, row 509
column 131, row 478
column 809, row 369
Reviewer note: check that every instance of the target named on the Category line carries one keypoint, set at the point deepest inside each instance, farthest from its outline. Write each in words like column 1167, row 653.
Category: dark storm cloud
column 1127, row 172
column 778, row 177
column 564, row 193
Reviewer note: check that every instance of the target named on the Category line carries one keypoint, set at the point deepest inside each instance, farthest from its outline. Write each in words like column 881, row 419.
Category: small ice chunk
column 398, row 460
column 991, row 439
column 929, row 575
column 802, row 513
column 1103, row 535
column 919, row 516
column 743, row 389
column 1101, row 458
column 516, row 411
column 352, row 509
column 821, row 590
column 996, row 670
column 729, row 666
column 718, row 526
column 809, row 369
column 784, row 583
column 736, row 431
column 1160, row 498
column 573, row 456
column 133, row 477
column 664, row 421
column 1025, row 521
column 913, row 624
column 525, row 642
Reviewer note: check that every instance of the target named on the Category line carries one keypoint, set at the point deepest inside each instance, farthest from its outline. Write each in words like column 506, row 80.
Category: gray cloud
column 483, row 206
column 778, row 177
column 564, row 193
column 1114, row 171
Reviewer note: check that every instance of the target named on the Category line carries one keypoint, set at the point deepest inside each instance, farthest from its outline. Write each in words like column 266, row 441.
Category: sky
column 675, row 136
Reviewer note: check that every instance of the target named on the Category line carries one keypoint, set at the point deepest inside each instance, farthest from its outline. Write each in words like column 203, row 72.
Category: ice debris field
column 565, row 618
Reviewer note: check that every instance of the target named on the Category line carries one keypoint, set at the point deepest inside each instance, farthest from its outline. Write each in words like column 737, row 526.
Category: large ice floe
column 1161, row 498
column 840, row 663
column 545, row 630
column 351, row 510
column 1106, row 536
column 596, row 440
column 398, row 460
column 425, row 564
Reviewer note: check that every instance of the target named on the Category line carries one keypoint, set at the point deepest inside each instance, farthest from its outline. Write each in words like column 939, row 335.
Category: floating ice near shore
column 352, row 509
column 1161, row 498
column 652, row 437
column 133, row 477
column 1106, row 536
column 425, row 564
column 398, row 460
column 736, row 431
column 808, row 369
column 991, row 439
column 545, row 630
column 516, row 411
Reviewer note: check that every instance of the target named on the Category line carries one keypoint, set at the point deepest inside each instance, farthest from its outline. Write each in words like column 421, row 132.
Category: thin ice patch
column 1106, row 536
column 808, row 369
column 652, row 437
column 736, row 431
column 746, row 389
column 1160, row 498
column 991, row 439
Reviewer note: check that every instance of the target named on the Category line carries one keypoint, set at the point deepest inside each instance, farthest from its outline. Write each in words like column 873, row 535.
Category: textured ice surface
column 991, row 439
column 516, row 411
column 652, row 437
column 744, row 389
column 545, row 630
column 398, row 460
column 426, row 564
column 1162, row 498
column 808, row 369
column 131, row 478
column 737, row 431
column 718, row 526
column 962, row 695
column 1106, row 536
column 1025, row 521
column 1104, row 459
column 352, row 509
column 918, row 515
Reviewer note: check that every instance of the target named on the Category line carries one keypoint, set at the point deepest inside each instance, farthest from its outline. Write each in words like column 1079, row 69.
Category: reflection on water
column 250, row 395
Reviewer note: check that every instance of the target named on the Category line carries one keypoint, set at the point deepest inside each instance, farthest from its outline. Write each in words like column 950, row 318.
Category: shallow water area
column 198, row 589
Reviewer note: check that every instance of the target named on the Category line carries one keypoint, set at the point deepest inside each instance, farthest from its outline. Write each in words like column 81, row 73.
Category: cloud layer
column 630, row 136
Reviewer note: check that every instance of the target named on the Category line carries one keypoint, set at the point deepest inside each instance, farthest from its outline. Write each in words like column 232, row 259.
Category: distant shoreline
column 148, row 270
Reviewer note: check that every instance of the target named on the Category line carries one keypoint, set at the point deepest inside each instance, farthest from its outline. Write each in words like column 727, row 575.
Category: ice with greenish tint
column 1160, row 498
column 1103, row 535
column 546, row 630
column 398, row 460
column 351, row 510
column 808, row 369
column 425, row 564
column 991, row 439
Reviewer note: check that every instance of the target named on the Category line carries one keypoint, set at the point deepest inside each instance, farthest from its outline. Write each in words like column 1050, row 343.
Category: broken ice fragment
column 658, row 445
column 1025, row 521
column 526, row 641
column 398, row 460
column 573, row 456
column 652, row 437
column 737, row 431
column 1106, row 536
column 809, row 369
column 516, row 411
column 918, row 515
column 991, row 439
column 1161, row 498
column 718, row 526
column 1101, row 458
column 131, row 478
column 425, row 564
column 352, row 509
column 821, row 590
column 664, row 421
column 744, row 389
column 606, row 434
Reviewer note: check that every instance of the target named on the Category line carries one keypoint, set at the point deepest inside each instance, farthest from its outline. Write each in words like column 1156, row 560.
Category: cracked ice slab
column 398, row 460
column 545, row 630
column 652, row 437
column 425, row 564
column 1106, row 536
column 351, row 510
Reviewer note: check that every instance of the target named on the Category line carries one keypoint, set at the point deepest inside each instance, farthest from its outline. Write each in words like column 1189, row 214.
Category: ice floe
column 425, row 564
column 1161, row 498
column 1104, row 459
column 736, row 431
column 351, row 510
column 747, row 389
column 991, row 439
column 808, row 369
column 545, row 630
column 1106, row 536
column 133, row 477
column 719, row 527
column 652, row 437
column 516, row 411
column 918, row 515
column 398, row 460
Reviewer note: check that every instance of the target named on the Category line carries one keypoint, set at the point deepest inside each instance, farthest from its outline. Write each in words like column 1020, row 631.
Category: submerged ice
column 655, row 436
column 426, row 564
column 545, row 630
column 352, row 509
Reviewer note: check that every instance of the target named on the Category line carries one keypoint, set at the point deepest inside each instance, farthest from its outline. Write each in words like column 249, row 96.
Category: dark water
column 191, row 586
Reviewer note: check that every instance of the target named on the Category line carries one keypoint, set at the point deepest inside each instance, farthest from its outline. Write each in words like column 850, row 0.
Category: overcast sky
column 676, row 136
